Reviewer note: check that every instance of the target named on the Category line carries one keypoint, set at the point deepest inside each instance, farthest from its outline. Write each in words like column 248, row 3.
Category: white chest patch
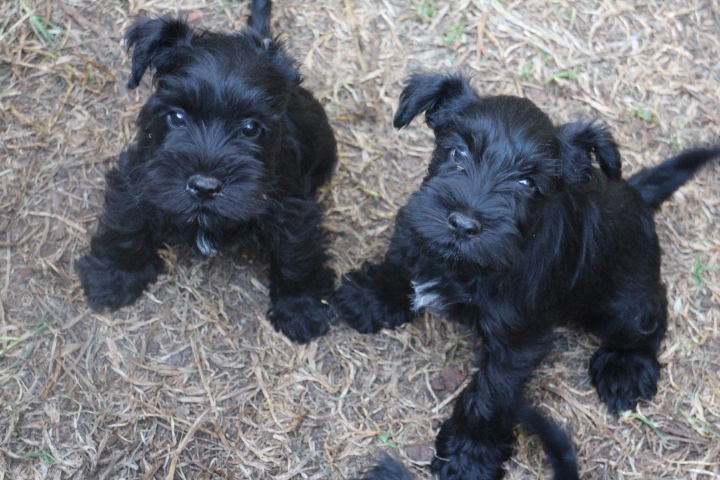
column 425, row 297
column 204, row 243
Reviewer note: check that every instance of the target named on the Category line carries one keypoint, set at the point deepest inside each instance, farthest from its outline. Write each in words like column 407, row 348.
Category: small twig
column 452, row 397
column 183, row 443
column 56, row 374
column 295, row 471
column 148, row 475
column 66, row 221
column 356, row 34
column 60, row 110
column 481, row 35
column 70, row 12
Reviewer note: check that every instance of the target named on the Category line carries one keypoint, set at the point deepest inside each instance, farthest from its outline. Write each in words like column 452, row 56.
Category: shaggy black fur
column 230, row 150
column 513, row 232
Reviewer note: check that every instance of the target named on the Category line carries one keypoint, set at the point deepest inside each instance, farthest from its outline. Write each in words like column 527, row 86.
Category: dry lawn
column 192, row 381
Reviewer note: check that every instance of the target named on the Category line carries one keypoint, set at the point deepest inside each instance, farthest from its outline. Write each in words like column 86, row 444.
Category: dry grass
column 192, row 382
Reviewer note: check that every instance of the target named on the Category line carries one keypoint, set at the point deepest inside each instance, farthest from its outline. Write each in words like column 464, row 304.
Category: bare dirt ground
column 192, row 381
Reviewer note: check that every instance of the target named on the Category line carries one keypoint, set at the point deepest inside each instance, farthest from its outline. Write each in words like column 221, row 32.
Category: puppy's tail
column 556, row 443
column 259, row 20
column 388, row 468
column 657, row 183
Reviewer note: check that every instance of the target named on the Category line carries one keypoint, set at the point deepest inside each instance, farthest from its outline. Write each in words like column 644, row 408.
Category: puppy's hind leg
column 625, row 369
column 478, row 437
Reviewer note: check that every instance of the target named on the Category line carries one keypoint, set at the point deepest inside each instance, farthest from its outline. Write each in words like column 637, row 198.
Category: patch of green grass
column 699, row 270
column 371, row 192
column 545, row 55
column 525, row 75
column 15, row 341
column 698, row 425
column 569, row 74
column 675, row 142
column 44, row 454
column 425, row 8
column 386, row 438
column 453, row 33
column 641, row 111
column 300, row 440
column 544, row 58
column 42, row 26
column 652, row 426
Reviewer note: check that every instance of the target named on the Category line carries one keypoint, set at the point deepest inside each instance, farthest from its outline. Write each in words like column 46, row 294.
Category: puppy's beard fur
column 163, row 179
column 496, row 248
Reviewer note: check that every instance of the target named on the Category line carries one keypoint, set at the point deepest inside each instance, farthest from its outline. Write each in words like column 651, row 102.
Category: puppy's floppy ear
column 579, row 142
column 151, row 39
column 433, row 94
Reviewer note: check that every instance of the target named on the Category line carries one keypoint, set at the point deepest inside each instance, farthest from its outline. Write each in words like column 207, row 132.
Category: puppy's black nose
column 203, row 186
column 463, row 225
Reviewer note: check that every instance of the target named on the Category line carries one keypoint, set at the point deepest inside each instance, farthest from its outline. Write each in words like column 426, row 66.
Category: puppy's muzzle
column 204, row 187
column 463, row 226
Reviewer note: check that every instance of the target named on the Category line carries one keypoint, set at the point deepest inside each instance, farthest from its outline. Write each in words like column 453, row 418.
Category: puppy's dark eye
column 527, row 182
column 250, row 129
column 458, row 153
column 176, row 119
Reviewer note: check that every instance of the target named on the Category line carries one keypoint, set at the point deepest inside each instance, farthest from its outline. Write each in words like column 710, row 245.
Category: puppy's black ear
column 579, row 142
column 151, row 39
column 435, row 94
column 259, row 21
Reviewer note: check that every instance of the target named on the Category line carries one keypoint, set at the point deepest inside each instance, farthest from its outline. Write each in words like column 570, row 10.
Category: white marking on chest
column 204, row 243
column 425, row 297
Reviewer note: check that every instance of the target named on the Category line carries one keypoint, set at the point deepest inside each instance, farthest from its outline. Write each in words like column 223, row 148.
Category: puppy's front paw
column 361, row 305
column 622, row 377
column 108, row 286
column 300, row 318
column 459, row 456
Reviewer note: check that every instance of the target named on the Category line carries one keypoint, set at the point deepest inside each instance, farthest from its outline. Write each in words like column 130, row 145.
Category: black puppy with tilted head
column 230, row 150
column 512, row 233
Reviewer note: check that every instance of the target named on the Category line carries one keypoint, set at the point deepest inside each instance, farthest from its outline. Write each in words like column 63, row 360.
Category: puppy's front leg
column 123, row 256
column 478, row 437
column 378, row 295
column 375, row 297
column 300, row 281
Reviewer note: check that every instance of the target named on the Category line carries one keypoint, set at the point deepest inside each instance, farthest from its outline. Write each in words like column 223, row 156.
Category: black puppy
column 230, row 149
column 513, row 232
